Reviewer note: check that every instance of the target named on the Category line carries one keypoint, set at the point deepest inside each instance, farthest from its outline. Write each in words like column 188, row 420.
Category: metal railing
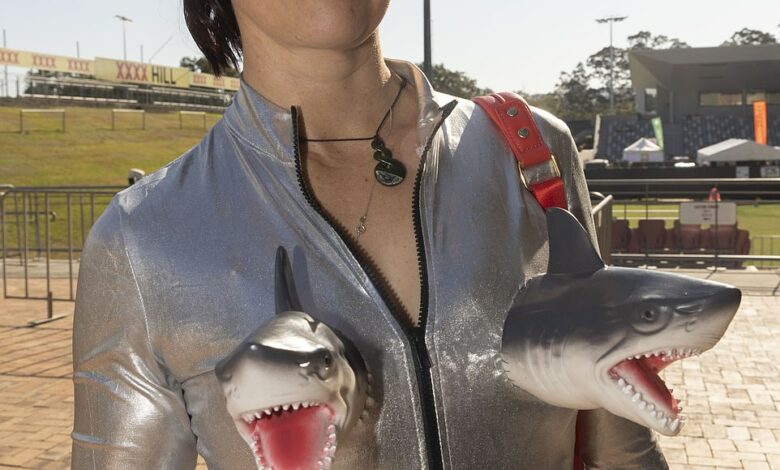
column 641, row 199
column 42, row 232
column 602, row 219
column 730, row 188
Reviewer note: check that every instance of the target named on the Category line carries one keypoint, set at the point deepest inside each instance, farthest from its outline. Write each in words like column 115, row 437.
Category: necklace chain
column 378, row 145
column 378, row 128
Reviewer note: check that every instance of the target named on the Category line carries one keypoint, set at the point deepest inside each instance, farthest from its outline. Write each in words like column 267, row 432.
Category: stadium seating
column 697, row 131
column 618, row 132
column 651, row 236
column 773, row 130
column 703, row 131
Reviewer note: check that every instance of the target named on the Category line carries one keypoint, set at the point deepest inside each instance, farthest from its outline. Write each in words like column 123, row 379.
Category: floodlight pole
column 611, row 20
column 124, row 21
column 427, row 63
column 5, row 70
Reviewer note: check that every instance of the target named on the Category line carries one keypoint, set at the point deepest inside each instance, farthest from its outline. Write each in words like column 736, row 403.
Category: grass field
column 90, row 153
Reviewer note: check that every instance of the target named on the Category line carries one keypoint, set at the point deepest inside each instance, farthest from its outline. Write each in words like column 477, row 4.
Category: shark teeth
column 329, row 451
column 668, row 355
column 251, row 416
column 646, row 407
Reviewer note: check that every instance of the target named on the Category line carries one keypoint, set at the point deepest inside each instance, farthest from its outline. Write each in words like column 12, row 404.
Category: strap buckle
column 545, row 171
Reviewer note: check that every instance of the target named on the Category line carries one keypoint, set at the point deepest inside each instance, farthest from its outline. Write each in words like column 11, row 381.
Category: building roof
column 651, row 67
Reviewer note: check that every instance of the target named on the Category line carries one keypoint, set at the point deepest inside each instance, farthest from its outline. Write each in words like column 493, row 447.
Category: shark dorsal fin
column 286, row 296
column 571, row 250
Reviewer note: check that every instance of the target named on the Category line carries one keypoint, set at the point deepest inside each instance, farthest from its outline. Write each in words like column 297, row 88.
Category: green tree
column 454, row 82
column 747, row 36
column 203, row 66
column 577, row 99
column 586, row 88
column 646, row 40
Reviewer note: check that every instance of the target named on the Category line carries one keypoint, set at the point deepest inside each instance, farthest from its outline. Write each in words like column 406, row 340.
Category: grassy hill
column 90, row 153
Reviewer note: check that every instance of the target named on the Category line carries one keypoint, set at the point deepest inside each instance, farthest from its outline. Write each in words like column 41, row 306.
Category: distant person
column 178, row 269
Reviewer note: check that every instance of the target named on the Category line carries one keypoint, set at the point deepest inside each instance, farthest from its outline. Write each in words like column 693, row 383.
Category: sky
column 504, row 44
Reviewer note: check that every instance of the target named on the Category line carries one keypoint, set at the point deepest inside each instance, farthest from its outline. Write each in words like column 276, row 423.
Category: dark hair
column 213, row 25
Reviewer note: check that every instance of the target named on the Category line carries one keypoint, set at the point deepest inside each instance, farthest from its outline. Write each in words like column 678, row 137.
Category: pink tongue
column 643, row 374
column 293, row 440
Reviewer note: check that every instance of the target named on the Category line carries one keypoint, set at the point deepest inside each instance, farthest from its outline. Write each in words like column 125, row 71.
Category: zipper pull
column 422, row 350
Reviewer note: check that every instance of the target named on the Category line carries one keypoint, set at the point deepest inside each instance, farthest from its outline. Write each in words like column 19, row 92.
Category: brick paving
column 731, row 394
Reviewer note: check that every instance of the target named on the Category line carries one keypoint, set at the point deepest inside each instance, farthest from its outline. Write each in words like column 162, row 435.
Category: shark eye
column 324, row 369
column 650, row 318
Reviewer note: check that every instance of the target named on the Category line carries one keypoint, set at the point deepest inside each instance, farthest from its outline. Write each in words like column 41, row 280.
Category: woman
column 419, row 275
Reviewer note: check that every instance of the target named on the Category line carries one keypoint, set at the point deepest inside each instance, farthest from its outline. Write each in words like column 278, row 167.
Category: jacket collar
column 268, row 127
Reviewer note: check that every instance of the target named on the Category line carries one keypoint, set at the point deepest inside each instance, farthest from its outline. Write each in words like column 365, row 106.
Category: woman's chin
column 314, row 24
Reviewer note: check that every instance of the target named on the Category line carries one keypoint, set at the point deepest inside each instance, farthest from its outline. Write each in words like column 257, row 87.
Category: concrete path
column 731, row 394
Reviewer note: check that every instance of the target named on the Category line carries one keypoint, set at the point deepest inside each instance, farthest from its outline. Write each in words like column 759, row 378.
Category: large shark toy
column 587, row 336
column 295, row 386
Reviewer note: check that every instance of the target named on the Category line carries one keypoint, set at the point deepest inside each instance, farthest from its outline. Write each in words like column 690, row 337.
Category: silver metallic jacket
column 179, row 269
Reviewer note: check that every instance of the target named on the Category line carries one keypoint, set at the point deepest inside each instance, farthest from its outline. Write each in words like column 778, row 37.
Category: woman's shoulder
column 551, row 127
column 176, row 181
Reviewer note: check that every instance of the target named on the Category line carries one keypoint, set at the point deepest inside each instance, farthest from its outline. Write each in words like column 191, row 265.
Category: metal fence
column 758, row 208
column 42, row 231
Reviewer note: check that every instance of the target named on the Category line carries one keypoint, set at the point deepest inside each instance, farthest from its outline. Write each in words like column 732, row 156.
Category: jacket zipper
column 416, row 334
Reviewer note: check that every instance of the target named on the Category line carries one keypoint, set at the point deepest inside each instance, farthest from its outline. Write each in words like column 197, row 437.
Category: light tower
column 611, row 20
column 124, row 21
column 427, row 60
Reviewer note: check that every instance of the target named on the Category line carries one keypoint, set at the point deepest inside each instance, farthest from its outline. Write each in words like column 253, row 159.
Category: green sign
column 658, row 129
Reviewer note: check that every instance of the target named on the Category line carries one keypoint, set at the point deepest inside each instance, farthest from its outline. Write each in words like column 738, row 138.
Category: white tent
column 643, row 150
column 737, row 150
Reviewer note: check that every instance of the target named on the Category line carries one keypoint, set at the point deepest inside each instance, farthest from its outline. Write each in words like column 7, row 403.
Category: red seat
column 652, row 234
column 687, row 237
column 633, row 242
column 743, row 242
column 723, row 238
column 621, row 235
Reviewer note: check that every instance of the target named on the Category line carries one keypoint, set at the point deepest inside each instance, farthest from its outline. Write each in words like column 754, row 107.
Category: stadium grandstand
column 703, row 96
column 64, row 80
column 90, row 90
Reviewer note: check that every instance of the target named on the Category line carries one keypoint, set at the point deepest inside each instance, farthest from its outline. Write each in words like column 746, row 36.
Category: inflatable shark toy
column 294, row 386
column 587, row 336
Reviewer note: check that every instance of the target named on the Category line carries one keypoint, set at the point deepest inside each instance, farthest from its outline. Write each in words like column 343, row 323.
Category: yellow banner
column 207, row 80
column 138, row 72
column 35, row 60
column 759, row 118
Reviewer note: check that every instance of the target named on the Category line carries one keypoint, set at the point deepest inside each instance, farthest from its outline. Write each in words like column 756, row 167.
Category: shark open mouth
column 294, row 436
column 637, row 377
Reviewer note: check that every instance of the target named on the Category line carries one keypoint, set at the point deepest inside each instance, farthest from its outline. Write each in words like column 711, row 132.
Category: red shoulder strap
column 539, row 171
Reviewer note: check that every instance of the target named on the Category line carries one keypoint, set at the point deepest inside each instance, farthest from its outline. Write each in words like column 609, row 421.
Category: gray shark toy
column 294, row 386
column 586, row 336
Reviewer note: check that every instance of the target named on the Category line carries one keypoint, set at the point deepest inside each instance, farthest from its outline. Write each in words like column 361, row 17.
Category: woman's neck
column 340, row 93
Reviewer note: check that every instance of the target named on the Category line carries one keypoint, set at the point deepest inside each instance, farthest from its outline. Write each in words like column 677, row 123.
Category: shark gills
column 586, row 336
column 295, row 386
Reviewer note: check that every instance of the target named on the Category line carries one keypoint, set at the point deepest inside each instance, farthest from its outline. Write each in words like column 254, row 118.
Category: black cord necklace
column 388, row 171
